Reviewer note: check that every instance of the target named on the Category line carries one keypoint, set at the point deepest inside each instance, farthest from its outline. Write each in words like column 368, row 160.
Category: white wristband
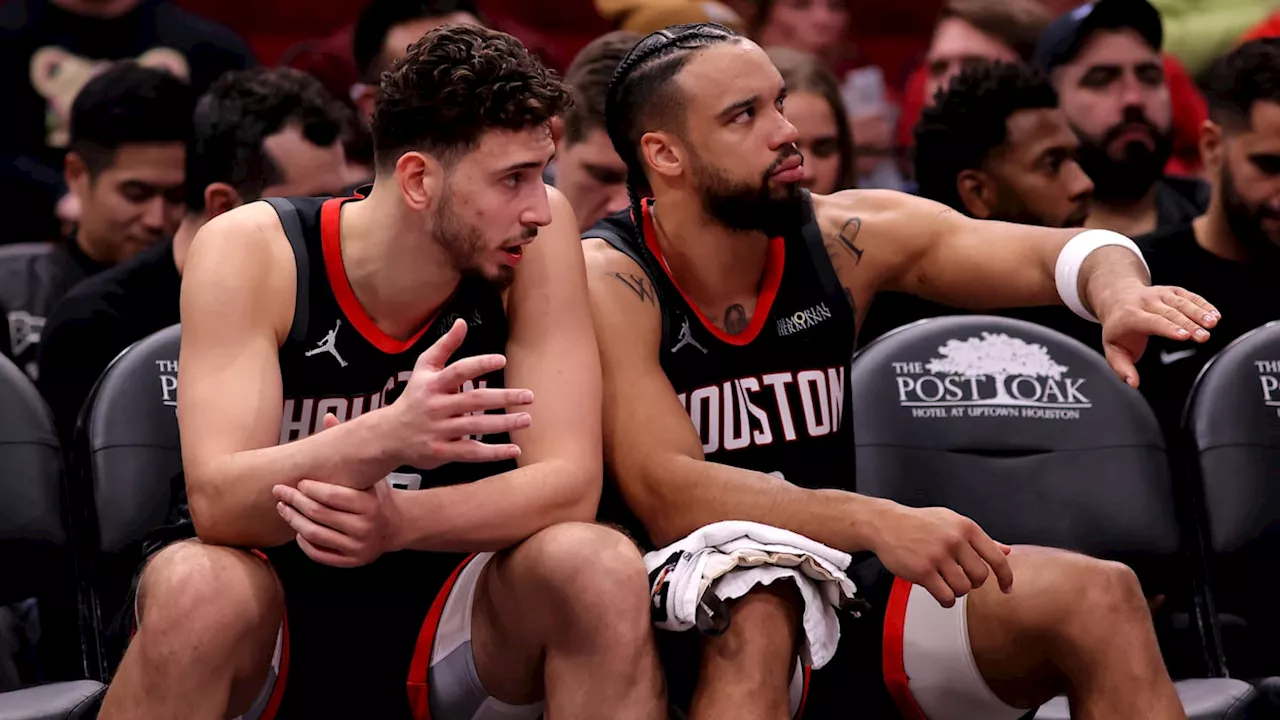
column 1067, row 272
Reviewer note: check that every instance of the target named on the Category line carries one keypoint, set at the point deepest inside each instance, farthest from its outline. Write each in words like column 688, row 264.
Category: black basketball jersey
column 336, row 360
column 771, row 398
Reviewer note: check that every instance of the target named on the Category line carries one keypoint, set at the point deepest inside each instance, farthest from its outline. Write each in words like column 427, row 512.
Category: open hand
column 1134, row 312
column 434, row 420
column 939, row 550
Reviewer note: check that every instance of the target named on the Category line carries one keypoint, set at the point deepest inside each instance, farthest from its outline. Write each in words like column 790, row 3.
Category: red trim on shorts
column 804, row 693
column 895, row 672
column 420, row 665
column 331, row 244
column 282, row 674
column 774, row 262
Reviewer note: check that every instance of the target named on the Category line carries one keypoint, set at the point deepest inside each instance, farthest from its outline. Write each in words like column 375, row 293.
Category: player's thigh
column 902, row 655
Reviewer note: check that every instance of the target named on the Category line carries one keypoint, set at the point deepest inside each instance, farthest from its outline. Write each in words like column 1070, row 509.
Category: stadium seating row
column 1023, row 429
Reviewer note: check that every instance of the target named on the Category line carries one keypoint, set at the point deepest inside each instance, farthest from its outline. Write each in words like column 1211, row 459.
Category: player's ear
column 218, row 198
column 76, row 173
column 975, row 191
column 1212, row 147
column 421, row 179
column 663, row 153
column 556, row 126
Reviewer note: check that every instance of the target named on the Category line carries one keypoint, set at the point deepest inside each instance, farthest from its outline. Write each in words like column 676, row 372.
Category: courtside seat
column 1030, row 434
column 128, row 457
column 1233, row 422
column 35, row 556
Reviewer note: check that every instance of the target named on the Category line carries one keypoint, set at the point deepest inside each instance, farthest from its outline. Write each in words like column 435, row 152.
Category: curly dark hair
column 456, row 83
column 1247, row 75
column 969, row 120
column 241, row 110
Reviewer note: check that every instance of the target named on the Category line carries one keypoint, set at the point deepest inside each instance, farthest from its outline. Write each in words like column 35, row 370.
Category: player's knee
column 1072, row 592
column 215, row 595
column 592, row 569
column 1110, row 589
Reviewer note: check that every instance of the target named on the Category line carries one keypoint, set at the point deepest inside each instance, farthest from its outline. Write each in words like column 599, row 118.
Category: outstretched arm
column 656, row 458
column 237, row 304
column 897, row 242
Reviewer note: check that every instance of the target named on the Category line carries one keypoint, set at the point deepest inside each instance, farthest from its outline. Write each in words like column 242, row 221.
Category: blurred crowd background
column 129, row 123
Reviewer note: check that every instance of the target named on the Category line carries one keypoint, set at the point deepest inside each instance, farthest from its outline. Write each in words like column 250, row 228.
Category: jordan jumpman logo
column 328, row 344
column 686, row 338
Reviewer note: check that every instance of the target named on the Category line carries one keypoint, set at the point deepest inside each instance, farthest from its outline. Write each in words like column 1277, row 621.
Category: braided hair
column 642, row 86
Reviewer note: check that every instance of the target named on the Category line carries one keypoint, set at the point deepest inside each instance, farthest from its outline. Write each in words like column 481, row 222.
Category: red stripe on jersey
column 331, row 241
column 774, row 261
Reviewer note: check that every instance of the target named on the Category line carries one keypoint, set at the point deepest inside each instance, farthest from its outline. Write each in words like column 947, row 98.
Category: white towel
column 724, row 560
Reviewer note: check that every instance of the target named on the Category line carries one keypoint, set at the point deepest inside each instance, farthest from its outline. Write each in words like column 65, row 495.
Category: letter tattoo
column 735, row 319
column 849, row 235
column 640, row 286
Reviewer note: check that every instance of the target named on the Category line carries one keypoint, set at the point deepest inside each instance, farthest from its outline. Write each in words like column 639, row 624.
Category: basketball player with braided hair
column 726, row 274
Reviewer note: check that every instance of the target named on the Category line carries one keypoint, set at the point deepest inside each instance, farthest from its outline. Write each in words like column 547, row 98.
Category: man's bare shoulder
column 248, row 236
column 604, row 258
column 242, row 256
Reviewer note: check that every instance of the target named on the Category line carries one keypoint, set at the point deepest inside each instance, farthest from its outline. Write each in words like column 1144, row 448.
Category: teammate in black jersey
column 731, row 299
column 339, row 360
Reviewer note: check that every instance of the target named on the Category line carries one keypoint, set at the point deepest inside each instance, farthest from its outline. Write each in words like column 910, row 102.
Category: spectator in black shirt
column 258, row 133
column 1231, row 254
column 49, row 49
column 996, row 146
column 129, row 128
column 1104, row 60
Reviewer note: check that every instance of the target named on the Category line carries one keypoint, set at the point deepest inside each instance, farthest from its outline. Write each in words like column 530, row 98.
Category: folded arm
column 551, row 350
column 237, row 305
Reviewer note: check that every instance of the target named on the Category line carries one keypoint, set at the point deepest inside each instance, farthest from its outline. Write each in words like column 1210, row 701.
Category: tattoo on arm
column 735, row 319
column 849, row 236
column 639, row 285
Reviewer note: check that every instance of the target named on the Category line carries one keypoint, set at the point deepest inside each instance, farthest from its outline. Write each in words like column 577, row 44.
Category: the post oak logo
column 995, row 375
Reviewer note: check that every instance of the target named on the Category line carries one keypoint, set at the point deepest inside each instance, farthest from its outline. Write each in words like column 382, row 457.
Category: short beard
column 1245, row 222
column 1132, row 176
column 465, row 246
column 775, row 210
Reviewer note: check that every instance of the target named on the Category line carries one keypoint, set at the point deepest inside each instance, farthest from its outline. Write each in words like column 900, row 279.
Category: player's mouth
column 790, row 170
column 514, row 252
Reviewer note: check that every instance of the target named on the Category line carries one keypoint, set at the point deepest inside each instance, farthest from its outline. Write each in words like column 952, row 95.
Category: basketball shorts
column 389, row 640
column 907, row 657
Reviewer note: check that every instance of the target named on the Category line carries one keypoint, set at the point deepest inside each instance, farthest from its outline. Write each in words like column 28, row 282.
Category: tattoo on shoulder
column 735, row 319
column 849, row 235
column 639, row 285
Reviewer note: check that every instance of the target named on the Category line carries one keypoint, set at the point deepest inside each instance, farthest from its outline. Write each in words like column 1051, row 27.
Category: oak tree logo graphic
column 997, row 356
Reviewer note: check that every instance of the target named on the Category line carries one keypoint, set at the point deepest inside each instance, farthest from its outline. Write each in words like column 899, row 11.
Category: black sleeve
column 76, row 345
